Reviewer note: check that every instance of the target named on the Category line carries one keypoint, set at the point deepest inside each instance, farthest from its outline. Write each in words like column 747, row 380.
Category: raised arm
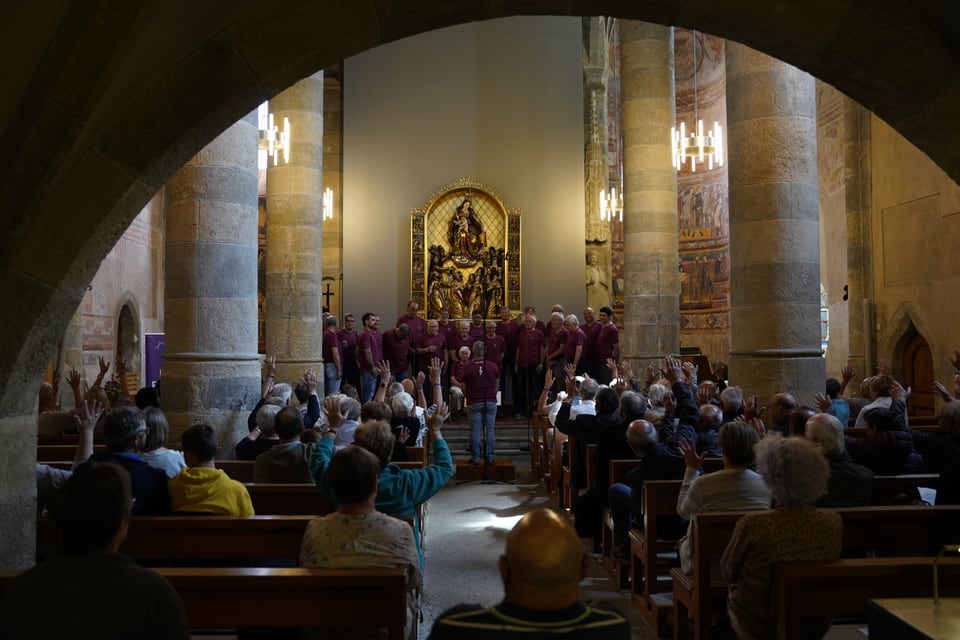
column 90, row 412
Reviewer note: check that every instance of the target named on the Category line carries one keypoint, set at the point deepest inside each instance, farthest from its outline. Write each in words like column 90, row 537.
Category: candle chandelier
column 272, row 140
column 697, row 146
column 611, row 205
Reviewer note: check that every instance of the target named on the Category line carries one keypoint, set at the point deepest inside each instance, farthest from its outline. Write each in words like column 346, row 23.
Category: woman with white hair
column 794, row 531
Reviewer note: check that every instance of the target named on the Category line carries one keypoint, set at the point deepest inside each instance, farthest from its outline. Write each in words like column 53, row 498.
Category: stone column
column 333, row 178
column 774, row 227
column 294, row 235
column 652, row 287
column 211, row 369
column 856, row 177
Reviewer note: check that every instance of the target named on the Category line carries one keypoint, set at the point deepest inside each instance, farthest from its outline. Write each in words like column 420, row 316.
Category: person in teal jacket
column 399, row 491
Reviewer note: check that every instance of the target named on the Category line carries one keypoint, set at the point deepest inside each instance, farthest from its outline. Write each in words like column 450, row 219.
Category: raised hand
column 750, row 407
column 847, row 374
column 74, row 379
column 570, row 371
column 756, row 423
column 612, row 365
column 418, row 382
column 436, row 367
column 104, row 367
column 626, row 369
column 403, row 434
column 669, row 401
column 823, row 402
column 689, row 369
column 335, row 415
column 651, row 373
column 439, row 417
column 672, row 370
column 310, row 379
column 120, row 366
column 548, row 380
column 941, row 390
column 90, row 412
column 689, row 450
column 704, row 395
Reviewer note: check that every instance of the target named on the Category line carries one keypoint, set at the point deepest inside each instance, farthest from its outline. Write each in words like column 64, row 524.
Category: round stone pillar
column 211, row 369
column 294, row 303
column 651, row 259
column 774, row 227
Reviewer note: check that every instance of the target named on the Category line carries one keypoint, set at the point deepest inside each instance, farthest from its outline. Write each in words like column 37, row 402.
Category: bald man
column 541, row 571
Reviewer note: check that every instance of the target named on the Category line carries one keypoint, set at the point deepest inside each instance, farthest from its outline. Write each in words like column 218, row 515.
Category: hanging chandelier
column 611, row 205
column 272, row 140
column 699, row 147
column 328, row 204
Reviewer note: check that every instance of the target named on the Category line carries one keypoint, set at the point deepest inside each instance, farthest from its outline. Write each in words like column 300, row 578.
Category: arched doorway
column 128, row 338
column 918, row 374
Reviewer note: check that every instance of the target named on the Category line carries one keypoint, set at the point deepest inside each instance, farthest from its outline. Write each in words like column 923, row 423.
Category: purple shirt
column 348, row 347
column 369, row 340
column 591, row 330
column 481, row 379
column 496, row 347
column 395, row 350
column 509, row 332
column 418, row 328
column 439, row 341
column 607, row 341
column 454, row 344
column 555, row 341
column 529, row 344
column 331, row 341
column 477, row 332
column 574, row 339
column 449, row 330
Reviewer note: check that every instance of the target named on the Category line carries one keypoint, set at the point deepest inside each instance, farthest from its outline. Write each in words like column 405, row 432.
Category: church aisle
column 466, row 529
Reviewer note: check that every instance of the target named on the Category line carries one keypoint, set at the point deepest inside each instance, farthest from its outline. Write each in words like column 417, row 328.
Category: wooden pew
column 557, row 469
column 55, row 452
column 659, row 498
column 844, row 588
column 154, row 539
column 861, row 432
column 239, row 470
column 288, row 499
column 886, row 488
column 290, row 597
column 887, row 531
column 417, row 454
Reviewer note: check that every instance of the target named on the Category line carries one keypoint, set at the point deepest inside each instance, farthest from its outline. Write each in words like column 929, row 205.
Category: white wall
column 499, row 102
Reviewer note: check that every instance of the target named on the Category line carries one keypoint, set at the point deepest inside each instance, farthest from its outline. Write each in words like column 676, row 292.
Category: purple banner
column 153, row 357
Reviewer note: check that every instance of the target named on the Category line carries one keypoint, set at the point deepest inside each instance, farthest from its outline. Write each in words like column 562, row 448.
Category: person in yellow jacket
column 201, row 487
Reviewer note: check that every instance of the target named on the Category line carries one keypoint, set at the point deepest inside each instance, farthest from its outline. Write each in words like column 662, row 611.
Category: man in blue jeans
column 481, row 377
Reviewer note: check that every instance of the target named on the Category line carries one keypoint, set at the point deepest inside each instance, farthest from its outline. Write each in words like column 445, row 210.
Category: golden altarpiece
column 465, row 252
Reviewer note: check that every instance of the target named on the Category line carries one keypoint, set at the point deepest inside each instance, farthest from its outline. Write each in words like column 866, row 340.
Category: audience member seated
column 288, row 461
column 611, row 445
column 798, row 421
column 734, row 488
column 155, row 451
column 851, row 484
column 457, row 399
column 835, row 388
column 201, row 487
column 357, row 535
column 887, row 449
column 940, row 449
column 147, row 397
column 794, row 531
column 880, row 390
column 262, row 437
column 657, row 462
column 399, row 491
column 541, row 569
column 586, row 429
column 88, row 590
column 731, row 403
column 125, row 433
column 780, row 410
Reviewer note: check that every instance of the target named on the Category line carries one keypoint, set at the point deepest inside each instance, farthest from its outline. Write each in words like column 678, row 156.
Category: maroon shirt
column 477, row 332
column 395, row 350
column 418, row 329
column 331, row 341
column 496, row 347
column 454, row 344
column 439, row 341
column 555, row 341
column 528, row 347
column 590, row 345
column 372, row 340
column 448, row 330
column 607, row 340
column 482, row 381
column 348, row 347
column 574, row 338
column 456, row 370
column 509, row 332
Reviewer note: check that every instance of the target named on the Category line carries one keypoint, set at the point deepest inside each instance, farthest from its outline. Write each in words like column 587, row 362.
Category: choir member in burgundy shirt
column 418, row 328
column 608, row 346
column 369, row 355
column 396, row 349
column 530, row 357
column 348, row 343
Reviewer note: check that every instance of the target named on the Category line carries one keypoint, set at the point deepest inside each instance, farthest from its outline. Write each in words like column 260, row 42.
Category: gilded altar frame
column 465, row 252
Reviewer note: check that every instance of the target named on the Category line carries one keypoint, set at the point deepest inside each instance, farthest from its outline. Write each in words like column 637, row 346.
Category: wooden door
column 918, row 374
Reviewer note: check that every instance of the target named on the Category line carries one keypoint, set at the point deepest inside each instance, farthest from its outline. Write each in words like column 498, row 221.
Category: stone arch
column 903, row 325
column 128, row 341
column 107, row 104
